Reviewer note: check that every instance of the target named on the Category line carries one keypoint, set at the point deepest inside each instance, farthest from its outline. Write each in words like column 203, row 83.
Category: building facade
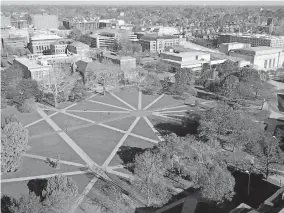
column 254, row 39
column 19, row 24
column 86, row 25
column 157, row 44
column 14, row 42
column 40, row 43
column 45, row 21
column 58, row 48
column 262, row 57
column 226, row 47
column 78, row 48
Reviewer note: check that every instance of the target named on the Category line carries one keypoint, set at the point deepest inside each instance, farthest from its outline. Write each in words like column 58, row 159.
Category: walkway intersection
column 102, row 114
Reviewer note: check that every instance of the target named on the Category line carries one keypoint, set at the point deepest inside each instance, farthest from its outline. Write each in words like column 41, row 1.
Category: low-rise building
column 226, row 47
column 158, row 44
column 125, row 62
column 14, row 42
column 58, row 47
column 79, row 48
column 262, row 57
column 33, row 69
column 40, row 43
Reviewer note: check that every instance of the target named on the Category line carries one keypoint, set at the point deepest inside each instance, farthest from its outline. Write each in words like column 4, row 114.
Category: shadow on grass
column 127, row 155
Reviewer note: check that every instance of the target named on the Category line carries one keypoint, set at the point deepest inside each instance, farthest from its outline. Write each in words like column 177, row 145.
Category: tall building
column 254, row 39
column 40, row 43
column 158, row 43
column 45, row 21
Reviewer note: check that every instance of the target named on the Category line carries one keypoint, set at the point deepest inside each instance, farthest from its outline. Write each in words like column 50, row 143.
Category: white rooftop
column 45, row 37
column 186, row 54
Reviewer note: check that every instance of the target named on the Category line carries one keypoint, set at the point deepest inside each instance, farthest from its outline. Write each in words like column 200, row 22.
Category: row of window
column 269, row 63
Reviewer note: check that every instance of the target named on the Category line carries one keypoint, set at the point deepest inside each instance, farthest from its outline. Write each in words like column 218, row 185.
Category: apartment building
column 45, row 21
column 40, row 43
column 254, row 39
column 262, row 57
column 154, row 43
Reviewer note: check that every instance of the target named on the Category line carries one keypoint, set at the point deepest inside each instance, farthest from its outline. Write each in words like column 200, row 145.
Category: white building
column 262, row 57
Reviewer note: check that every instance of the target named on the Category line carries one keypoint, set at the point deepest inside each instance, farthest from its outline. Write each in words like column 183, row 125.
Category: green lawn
column 62, row 120
column 82, row 181
column 99, row 116
column 109, row 99
column 41, row 127
column 52, row 146
column 87, row 105
column 34, row 167
column 166, row 101
column 143, row 129
column 147, row 99
column 123, row 124
column 137, row 142
column 24, row 118
column 98, row 142
column 15, row 189
column 129, row 95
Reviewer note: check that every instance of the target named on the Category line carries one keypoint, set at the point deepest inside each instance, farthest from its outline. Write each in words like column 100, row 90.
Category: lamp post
column 248, row 172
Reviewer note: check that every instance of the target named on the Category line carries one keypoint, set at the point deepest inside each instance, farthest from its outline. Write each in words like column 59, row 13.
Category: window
column 274, row 62
column 270, row 60
column 265, row 64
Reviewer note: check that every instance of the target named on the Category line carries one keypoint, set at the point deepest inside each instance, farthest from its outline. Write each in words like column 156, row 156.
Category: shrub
column 28, row 105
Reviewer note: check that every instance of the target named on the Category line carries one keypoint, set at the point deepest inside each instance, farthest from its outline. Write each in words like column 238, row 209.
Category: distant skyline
column 145, row 2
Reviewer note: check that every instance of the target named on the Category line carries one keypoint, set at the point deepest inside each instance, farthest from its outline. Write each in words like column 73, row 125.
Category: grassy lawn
column 143, row 129
column 137, row 142
column 82, row 181
column 24, row 118
column 129, row 95
column 87, row 105
column 15, row 189
column 166, row 101
column 147, row 99
column 39, row 128
column 49, row 112
column 98, row 142
column 109, row 99
column 52, row 146
column 99, row 116
column 61, row 120
column 34, row 167
column 123, row 124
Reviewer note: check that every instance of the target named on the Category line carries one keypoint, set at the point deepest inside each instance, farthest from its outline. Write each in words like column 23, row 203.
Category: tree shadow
column 37, row 186
column 127, row 155
column 6, row 203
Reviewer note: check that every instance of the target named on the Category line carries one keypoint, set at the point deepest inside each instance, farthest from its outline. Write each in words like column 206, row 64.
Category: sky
column 146, row 2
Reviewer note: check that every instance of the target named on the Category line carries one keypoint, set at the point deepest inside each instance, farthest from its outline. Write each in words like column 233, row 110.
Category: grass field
column 99, row 116
column 143, row 129
column 64, row 121
column 129, row 95
column 41, row 127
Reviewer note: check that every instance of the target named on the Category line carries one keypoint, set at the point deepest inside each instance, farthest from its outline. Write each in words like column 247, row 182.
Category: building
column 226, row 47
column 14, row 42
column 158, row 43
column 161, row 30
column 111, row 23
column 105, row 38
column 5, row 22
column 262, row 57
column 40, row 43
column 45, row 21
column 86, row 25
column 125, row 62
column 58, row 47
column 193, row 60
column 254, row 39
column 33, row 69
column 78, row 48
column 19, row 24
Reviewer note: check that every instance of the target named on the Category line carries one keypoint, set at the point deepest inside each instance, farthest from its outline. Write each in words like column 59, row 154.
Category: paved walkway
column 157, row 99
column 118, row 98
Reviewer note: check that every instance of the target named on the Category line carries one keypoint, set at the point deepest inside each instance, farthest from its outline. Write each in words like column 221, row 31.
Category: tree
column 14, row 144
column 30, row 203
column 151, row 84
column 183, row 79
column 75, row 34
column 78, row 92
column 266, row 149
column 29, row 89
column 149, row 179
column 59, row 193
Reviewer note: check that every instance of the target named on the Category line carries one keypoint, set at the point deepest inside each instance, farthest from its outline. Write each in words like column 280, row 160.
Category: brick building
column 40, row 43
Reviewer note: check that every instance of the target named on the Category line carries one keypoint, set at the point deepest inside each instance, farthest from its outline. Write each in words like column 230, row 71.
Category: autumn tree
column 183, row 81
column 151, row 84
column 149, row 180
column 13, row 144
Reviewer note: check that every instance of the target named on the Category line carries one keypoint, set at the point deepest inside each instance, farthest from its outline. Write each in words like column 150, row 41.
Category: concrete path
column 114, row 106
column 118, row 98
column 157, row 99
column 105, row 164
column 67, row 139
column 139, row 100
column 81, row 197
column 97, row 111
column 53, row 159
column 121, row 174
column 41, row 176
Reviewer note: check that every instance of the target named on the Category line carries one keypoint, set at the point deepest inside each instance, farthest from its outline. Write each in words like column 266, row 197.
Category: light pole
column 248, row 172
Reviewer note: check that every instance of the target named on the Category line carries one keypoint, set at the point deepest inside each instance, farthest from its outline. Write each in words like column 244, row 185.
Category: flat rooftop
column 45, row 37
column 28, row 63
column 186, row 54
